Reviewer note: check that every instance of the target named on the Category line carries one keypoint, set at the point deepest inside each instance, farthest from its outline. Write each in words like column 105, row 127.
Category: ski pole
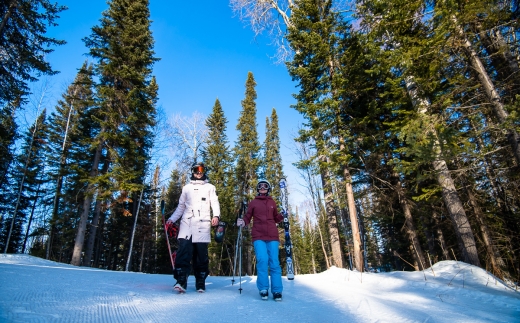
column 237, row 244
column 240, row 263
column 236, row 254
column 166, row 234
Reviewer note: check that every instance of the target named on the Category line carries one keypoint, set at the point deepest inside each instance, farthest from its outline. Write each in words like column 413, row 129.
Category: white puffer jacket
column 194, row 207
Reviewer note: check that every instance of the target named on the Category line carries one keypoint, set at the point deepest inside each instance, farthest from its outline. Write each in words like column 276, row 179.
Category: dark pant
column 196, row 253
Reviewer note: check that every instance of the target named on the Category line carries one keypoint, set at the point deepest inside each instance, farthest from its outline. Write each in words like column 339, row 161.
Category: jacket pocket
column 204, row 227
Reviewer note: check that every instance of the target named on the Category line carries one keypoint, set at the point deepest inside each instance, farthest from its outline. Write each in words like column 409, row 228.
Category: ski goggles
column 198, row 169
column 262, row 186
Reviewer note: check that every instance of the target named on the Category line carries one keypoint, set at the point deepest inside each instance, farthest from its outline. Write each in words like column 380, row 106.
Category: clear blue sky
column 206, row 52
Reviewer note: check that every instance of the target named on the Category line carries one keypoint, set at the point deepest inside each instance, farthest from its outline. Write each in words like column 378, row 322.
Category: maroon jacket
column 265, row 213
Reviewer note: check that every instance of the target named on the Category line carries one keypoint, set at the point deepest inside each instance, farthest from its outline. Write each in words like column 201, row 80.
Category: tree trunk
column 497, row 263
column 411, row 232
column 98, row 247
column 430, row 239
column 82, row 226
column 449, row 193
column 30, row 219
column 335, row 242
column 134, row 227
column 356, row 236
column 95, row 220
column 323, row 246
column 440, row 237
column 490, row 90
column 457, row 213
column 54, row 219
column 13, row 4
column 59, row 181
column 92, row 234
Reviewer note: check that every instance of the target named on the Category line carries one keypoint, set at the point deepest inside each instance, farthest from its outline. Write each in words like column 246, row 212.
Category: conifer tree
column 424, row 133
column 23, row 44
column 217, row 158
column 68, row 135
column 247, row 147
column 8, row 134
column 123, row 46
column 27, row 178
column 247, row 154
column 272, row 161
column 319, row 38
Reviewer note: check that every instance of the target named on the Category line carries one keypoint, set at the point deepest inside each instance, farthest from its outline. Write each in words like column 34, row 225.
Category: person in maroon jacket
column 264, row 214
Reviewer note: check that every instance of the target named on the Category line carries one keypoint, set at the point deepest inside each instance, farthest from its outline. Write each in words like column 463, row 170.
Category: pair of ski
column 288, row 244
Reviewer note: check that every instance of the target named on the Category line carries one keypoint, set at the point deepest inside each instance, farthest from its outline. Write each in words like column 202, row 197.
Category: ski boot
column 200, row 281
column 182, row 280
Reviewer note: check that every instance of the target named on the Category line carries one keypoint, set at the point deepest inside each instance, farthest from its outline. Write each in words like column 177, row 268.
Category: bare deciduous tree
column 271, row 16
column 187, row 136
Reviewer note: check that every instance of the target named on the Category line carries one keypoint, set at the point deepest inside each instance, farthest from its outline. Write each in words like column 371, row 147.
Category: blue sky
column 206, row 53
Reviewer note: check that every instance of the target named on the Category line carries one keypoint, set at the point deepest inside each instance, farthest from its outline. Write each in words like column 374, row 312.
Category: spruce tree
column 70, row 128
column 23, row 44
column 28, row 175
column 320, row 38
column 247, row 154
column 247, row 147
column 217, row 158
column 272, row 161
column 123, row 46
column 8, row 134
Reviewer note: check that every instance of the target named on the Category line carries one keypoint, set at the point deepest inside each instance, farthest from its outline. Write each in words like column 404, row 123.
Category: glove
column 240, row 222
column 172, row 229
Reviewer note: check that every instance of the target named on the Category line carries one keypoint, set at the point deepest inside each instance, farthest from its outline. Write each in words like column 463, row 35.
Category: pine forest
column 409, row 150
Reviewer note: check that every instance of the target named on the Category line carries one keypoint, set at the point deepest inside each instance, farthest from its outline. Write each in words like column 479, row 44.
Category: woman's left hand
column 214, row 221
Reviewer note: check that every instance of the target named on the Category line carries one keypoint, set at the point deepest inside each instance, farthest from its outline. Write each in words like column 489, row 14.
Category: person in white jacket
column 197, row 198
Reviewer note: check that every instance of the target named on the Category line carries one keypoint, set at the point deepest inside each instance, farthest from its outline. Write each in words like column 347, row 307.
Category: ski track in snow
column 37, row 290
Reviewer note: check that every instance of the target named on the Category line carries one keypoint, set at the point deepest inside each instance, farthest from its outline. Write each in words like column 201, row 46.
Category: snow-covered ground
column 37, row 290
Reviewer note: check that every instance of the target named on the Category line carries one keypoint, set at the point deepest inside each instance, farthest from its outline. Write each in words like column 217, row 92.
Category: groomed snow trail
column 37, row 290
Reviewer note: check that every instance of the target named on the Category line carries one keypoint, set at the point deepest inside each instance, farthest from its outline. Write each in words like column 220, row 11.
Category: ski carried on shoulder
column 171, row 230
column 285, row 213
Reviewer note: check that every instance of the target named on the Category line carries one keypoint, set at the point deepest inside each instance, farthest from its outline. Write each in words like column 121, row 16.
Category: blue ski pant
column 267, row 259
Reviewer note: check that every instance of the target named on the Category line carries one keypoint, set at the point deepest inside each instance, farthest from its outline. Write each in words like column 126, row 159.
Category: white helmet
column 263, row 183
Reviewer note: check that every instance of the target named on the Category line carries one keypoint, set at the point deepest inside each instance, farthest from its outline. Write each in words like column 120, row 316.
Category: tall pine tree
column 123, row 46
column 28, row 175
column 217, row 158
column 247, row 147
column 272, row 162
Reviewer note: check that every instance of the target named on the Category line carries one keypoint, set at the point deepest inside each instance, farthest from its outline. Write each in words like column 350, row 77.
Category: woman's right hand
column 240, row 222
